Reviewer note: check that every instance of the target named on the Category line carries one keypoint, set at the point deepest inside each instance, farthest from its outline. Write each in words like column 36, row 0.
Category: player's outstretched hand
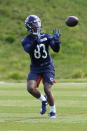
column 56, row 34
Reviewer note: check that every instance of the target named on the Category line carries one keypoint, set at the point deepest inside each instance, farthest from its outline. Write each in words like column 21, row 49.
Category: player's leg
column 31, row 87
column 48, row 81
column 50, row 99
column 48, row 92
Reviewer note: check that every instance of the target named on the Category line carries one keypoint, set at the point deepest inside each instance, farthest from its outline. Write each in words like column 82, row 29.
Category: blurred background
column 70, row 62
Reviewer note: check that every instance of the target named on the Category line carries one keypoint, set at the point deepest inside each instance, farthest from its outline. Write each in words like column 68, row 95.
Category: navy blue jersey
column 39, row 51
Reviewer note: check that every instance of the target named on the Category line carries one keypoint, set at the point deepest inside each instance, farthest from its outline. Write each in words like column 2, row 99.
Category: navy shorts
column 48, row 77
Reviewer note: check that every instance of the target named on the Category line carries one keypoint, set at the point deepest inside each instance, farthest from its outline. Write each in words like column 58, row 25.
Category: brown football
column 71, row 21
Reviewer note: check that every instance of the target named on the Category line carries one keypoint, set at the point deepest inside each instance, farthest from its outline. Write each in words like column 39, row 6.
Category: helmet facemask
column 33, row 24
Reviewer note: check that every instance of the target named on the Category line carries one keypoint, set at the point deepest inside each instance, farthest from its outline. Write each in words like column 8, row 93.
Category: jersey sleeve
column 54, row 45
column 28, row 45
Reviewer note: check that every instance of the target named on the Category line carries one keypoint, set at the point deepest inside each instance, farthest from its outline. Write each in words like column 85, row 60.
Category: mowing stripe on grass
column 20, row 111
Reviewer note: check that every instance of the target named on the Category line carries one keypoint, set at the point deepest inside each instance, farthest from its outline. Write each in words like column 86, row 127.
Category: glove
column 56, row 34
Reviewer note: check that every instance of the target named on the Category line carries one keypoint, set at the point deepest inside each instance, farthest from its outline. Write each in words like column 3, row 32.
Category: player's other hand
column 56, row 34
column 38, row 36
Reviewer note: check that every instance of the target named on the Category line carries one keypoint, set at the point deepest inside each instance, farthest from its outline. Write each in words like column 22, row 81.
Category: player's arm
column 55, row 40
column 29, row 45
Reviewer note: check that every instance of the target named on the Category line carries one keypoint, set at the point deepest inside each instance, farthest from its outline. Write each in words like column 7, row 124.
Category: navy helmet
column 33, row 24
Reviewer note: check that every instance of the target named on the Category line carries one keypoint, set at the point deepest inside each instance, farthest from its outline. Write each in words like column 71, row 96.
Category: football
column 71, row 21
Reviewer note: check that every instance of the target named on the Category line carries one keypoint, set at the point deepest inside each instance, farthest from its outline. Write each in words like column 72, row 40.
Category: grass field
column 20, row 112
column 70, row 62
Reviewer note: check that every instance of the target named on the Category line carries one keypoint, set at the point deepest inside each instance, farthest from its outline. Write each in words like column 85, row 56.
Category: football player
column 37, row 44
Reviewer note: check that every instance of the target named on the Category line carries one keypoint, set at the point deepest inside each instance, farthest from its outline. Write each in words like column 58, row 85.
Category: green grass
column 69, row 63
column 19, row 111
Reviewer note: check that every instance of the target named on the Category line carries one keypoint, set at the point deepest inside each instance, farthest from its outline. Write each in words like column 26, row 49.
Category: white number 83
column 37, row 53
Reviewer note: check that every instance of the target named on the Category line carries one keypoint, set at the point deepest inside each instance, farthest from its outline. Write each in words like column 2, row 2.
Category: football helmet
column 33, row 24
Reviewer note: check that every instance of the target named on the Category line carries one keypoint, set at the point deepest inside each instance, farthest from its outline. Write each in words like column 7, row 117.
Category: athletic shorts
column 47, row 77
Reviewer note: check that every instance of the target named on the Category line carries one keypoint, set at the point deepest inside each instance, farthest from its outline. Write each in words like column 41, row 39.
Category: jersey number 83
column 37, row 52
